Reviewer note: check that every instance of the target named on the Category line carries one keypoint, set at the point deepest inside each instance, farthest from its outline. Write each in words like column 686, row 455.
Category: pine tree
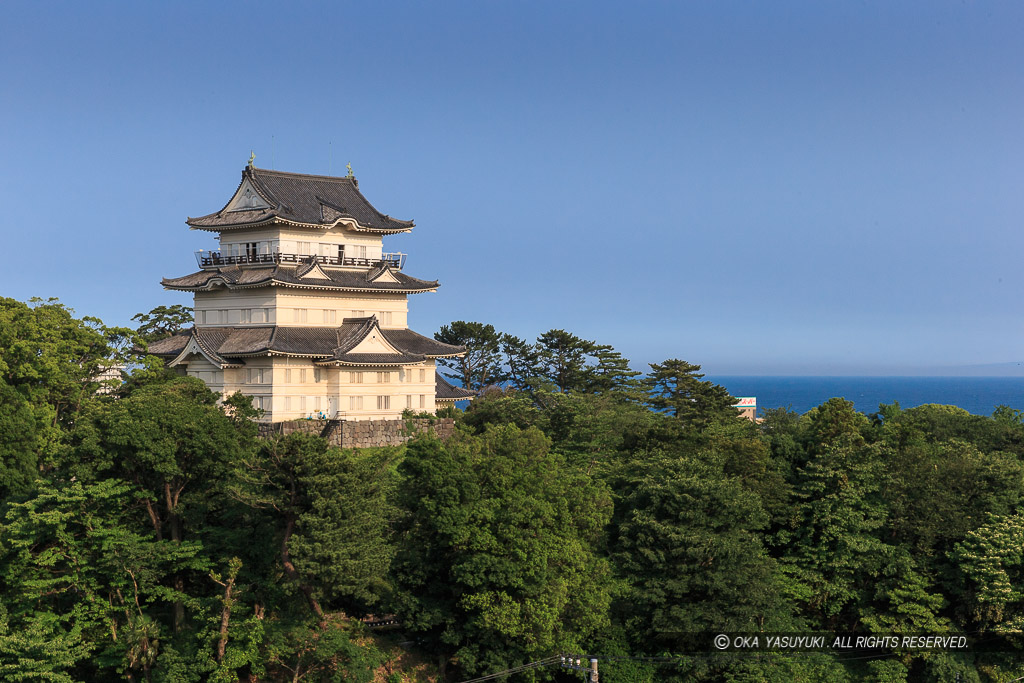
column 481, row 364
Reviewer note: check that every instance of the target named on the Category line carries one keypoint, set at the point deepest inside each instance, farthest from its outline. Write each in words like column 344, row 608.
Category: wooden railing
column 214, row 259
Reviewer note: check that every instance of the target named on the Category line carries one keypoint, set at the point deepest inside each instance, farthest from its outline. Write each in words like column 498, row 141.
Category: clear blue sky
column 758, row 187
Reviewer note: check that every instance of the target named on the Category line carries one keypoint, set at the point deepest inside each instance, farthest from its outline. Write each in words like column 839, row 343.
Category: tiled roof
column 301, row 198
column 417, row 343
column 444, row 391
column 171, row 346
column 325, row 344
column 234, row 277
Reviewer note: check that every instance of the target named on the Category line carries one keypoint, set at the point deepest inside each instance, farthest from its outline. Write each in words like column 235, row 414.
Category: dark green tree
column 677, row 387
column 162, row 322
column 74, row 561
column 496, row 563
column 51, row 365
column 610, row 372
column 522, row 363
column 563, row 360
column 332, row 510
column 689, row 543
column 833, row 548
column 172, row 441
column 481, row 364
column 990, row 562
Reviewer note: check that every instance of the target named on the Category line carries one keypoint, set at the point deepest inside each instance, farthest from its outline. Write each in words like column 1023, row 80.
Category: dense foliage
column 148, row 533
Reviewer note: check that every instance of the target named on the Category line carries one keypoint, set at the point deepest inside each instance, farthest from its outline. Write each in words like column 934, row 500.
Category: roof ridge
column 300, row 175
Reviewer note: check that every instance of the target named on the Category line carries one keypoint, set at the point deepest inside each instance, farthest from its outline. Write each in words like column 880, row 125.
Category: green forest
column 148, row 533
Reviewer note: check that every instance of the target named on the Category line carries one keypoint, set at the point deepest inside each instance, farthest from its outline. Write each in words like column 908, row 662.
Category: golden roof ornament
column 349, row 167
column 252, row 157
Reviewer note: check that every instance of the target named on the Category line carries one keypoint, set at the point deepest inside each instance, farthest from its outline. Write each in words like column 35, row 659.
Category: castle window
column 423, row 375
column 355, row 402
column 302, row 375
column 287, row 375
column 408, row 400
column 257, row 375
column 287, row 402
column 251, row 249
column 385, row 317
column 304, row 248
column 301, row 314
column 423, row 401
column 330, row 316
column 383, row 403
column 383, row 378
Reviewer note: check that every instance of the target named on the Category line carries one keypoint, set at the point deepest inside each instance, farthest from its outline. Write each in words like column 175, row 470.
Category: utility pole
column 575, row 663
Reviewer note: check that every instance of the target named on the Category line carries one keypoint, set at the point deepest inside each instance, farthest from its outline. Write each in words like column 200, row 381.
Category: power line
column 550, row 661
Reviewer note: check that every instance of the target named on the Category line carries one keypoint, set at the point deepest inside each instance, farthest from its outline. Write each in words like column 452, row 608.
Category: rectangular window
column 383, row 403
column 304, row 248
column 287, row 402
column 355, row 377
column 423, row 401
column 251, row 249
column 423, row 375
column 301, row 314
column 385, row 318
column 258, row 315
column 408, row 400
column 355, row 402
column 362, row 251
column 258, row 375
column 302, row 403
column 222, row 316
column 330, row 317
column 383, row 378
column 201, row 317
column 287, row 375
column 341, row 254
column 302, row 375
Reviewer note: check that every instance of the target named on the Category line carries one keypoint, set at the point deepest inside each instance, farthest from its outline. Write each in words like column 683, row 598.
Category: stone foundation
column 363, row 433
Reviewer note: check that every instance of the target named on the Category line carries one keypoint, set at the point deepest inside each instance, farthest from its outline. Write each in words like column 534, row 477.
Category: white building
column 302, row 309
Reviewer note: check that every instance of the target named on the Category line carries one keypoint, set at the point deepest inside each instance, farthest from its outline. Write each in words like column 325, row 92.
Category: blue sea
column 978, row 395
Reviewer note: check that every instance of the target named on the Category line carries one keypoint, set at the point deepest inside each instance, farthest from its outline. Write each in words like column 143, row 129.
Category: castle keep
column 302, row 309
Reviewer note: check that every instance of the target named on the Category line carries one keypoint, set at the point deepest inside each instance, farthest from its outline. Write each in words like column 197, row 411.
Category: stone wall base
column 363, row 433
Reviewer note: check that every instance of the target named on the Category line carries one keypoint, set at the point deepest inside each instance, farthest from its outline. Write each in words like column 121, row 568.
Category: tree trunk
column 225, row 617
column 179, row 582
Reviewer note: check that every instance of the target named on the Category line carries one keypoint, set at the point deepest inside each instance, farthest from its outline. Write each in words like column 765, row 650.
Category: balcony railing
column 214, row 259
